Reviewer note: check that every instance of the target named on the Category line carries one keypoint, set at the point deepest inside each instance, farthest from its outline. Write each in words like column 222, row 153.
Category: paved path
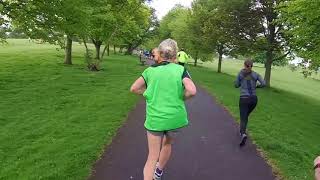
column 206, row 150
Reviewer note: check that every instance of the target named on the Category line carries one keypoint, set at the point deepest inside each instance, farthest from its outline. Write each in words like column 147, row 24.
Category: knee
column 168, row 141
column 153, row 156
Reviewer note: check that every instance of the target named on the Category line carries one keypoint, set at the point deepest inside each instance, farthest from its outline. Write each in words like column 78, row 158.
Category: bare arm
column 139, row 86
column 190, row 88
column 317, row 171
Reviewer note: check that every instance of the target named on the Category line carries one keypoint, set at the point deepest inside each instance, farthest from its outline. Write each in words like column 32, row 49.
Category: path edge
column 104, row 149
column 275, row 169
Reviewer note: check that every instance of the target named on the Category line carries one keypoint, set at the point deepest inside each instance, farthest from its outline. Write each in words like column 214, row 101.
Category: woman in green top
column 165, row 86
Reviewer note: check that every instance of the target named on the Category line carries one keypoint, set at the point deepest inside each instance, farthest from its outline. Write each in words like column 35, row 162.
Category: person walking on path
column 247, row 82
column 182, row 57
column 165, row 86
column 317, row 168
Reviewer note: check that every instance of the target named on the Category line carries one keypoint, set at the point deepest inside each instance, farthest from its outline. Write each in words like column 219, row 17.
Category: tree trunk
column 108, row 50
column 271, row 39
column 104, row 51
column 68, row 51
column 86, row 46
column 130, row 50
column 268, row 65
column 220, row 52
column 196, row 59
column 98, row 46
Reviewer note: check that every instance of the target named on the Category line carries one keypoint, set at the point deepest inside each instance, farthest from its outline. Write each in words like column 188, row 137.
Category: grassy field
column 286, row 122
column 282, row 77
column 56, row 119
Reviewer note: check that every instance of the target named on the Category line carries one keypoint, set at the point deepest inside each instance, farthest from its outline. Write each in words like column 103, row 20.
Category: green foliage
column 100, row 21
column 118, row 22
column 214, row 24
column 173, row 25
column 301, row 19
column 261, row 58
column 17, row 34
column 180, row 25
column 48, row 20
column 142, row 26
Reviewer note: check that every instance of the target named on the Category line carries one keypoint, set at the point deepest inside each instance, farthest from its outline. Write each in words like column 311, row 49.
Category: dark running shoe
column 243, row 141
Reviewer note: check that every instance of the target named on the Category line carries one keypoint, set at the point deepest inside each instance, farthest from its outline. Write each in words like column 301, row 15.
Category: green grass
column 281, row 77
column 286, row 122
column 56, row 119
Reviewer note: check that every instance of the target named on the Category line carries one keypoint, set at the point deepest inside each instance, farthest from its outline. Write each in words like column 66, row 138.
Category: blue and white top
column 247, row 82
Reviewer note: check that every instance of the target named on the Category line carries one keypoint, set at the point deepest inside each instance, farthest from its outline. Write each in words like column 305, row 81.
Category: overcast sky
column 163, row 6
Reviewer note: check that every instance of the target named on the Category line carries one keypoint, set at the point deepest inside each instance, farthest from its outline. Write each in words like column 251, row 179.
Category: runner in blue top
column 247, row 82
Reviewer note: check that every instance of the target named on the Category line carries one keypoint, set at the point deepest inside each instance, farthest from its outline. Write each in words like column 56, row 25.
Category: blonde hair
column 168, row 49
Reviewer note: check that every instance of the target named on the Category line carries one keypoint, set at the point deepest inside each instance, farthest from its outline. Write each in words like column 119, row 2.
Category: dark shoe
column 243, row 141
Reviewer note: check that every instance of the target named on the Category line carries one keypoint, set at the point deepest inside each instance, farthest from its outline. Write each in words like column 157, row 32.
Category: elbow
column 193, row 91
column 133, row 89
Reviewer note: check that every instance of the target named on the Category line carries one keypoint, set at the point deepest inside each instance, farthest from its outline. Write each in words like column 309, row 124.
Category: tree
column 143, row 27
column 217, row 25
column 110, row 19
column 301, row 22
column 4, row 24
column 260, row 57
column 192, row 37
column 49, row 20
column 180, row 25
column 268, row 36
column 168, row 27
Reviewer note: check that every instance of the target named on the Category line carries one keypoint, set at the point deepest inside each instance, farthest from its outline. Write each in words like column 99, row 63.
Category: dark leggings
column 246, row 105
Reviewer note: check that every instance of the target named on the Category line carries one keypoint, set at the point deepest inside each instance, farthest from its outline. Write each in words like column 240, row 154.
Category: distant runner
column 182, row 57
column 247, row 82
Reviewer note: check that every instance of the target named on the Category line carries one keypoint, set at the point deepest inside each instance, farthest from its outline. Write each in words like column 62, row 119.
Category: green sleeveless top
column 165, row 97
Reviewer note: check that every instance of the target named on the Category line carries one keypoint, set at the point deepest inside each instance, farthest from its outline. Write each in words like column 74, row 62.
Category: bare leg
column 165, row 151
column 154, row 144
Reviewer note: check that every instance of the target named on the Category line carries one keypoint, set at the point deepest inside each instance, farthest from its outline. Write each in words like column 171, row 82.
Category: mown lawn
column 55, row 119
column 286, row 122
column 281, row 77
